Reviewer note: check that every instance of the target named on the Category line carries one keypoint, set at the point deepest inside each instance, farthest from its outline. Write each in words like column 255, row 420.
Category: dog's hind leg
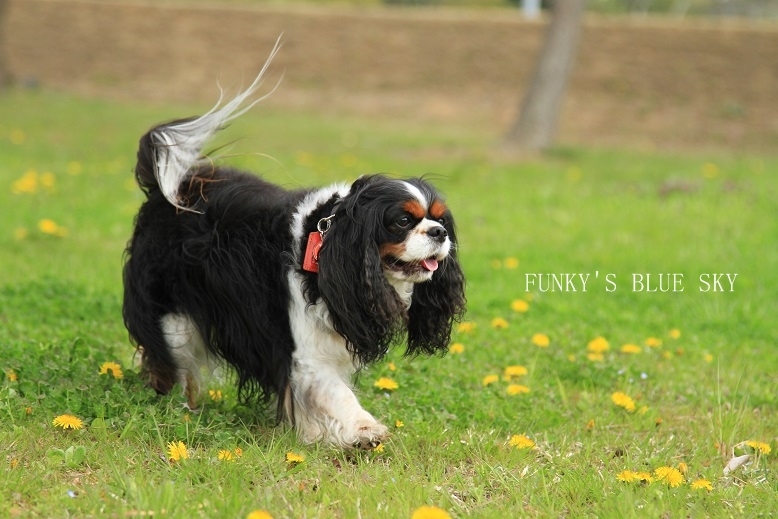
column 189, row 353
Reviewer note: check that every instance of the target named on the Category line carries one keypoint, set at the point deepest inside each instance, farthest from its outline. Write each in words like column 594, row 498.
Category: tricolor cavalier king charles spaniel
column 296, row 290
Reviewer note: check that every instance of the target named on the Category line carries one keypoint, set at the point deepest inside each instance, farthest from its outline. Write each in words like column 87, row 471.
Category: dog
column 296, row 290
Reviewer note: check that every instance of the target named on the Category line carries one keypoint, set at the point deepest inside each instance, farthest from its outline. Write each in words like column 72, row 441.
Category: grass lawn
column 633, row 396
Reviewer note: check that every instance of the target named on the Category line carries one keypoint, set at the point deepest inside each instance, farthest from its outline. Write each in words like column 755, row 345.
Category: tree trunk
column 536, row 124
column 5, row 75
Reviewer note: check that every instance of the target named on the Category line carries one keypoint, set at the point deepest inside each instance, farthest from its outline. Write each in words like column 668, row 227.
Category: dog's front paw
column 367, row 434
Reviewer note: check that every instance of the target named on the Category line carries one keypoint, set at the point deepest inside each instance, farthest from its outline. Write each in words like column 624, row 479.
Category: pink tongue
column 430, row 264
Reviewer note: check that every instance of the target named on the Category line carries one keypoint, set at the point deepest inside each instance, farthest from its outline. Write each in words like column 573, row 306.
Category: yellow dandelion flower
column 21, row 233
column 50, row 227
column 708, row 358
column 658, row 421
column 520, row 441
column 498, row 323
column 540, row 340
column 645, row 477
column 512, row 372
column 259, row 514
column 215, row 394
column 391, row 366
column 627, row 476
column 348, row 160
column 653, row 342
column 13, row 463
column 675, row 333
column 590, row 425
column 430, row 512
column 701, row 484
column 466, row 327
column 571, row 357
column 643, row 410
column 511, row 263
column 113, row 367
column 456, row 348
column 28, row 410
column 17, row 136
column 12, row 376
column 176, row 451
column 386, row 383
column 305, row 158
column 598, row 345
column 225, row 455
column 710, row 170
column 67, row 421
column 398, row 424
column 516, row 389
column 762, row 447
column 238, row 452
column 667, row 355
column 623, row 400
column 294, row 458
column 631, row 349
column 669, row 475
column 595, row 357
column 519, row 305
column 74, row 168
column 379, row 448
column 489, row 379
column 683, row 468
column 48, row 180
column 26, row 184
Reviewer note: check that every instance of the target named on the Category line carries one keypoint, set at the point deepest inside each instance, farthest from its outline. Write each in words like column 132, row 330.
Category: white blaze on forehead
column 417, row 194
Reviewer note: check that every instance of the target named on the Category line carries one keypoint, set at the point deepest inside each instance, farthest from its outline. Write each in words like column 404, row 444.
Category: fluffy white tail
column 177, row 146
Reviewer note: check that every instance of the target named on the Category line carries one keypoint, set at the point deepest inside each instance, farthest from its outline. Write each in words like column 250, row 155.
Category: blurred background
column 648, row 74
column 663, row 125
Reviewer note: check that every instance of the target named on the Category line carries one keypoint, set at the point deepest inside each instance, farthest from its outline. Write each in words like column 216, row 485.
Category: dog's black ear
column 363, row 306
column 437, row 304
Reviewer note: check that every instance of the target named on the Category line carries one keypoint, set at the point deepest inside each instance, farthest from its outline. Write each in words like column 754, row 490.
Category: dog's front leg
column 326, row 409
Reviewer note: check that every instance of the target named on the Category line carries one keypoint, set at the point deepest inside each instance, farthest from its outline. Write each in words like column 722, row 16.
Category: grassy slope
column 576, row 211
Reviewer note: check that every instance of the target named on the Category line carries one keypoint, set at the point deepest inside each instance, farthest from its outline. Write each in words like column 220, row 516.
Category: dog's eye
column 403, row 222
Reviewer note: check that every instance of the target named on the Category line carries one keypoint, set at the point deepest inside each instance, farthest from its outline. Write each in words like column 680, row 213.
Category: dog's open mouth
column 411, row 267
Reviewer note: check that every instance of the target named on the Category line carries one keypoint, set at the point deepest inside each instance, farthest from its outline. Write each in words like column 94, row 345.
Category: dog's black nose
column 438, row 233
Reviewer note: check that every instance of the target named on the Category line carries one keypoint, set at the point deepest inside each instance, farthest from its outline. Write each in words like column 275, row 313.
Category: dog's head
column 413, row 237
column 388, row 265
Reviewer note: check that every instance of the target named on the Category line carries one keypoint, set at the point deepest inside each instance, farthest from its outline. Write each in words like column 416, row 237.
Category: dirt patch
column 636, row 83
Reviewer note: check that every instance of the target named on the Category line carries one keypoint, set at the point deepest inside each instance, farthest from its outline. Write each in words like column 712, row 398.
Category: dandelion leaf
column 75, row 456
column 55, row 456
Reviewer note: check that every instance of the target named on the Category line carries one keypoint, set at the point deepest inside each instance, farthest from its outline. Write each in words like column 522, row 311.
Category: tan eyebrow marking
column 415, row 209
column 438, row 209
